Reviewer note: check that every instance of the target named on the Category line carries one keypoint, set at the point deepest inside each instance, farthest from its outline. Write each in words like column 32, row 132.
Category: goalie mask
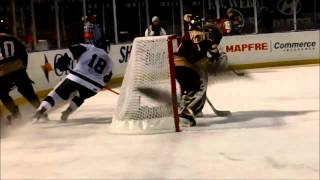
column 195, row 24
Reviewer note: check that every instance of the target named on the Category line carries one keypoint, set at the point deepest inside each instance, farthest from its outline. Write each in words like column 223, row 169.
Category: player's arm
column 186, row 46
column 77, row 50
column 163, row 32
column 63, row 62
column 21, row 52
column 146, row 33
column 216, row 36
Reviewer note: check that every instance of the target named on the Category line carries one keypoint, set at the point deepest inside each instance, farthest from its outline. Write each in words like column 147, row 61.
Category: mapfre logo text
column 247, row 47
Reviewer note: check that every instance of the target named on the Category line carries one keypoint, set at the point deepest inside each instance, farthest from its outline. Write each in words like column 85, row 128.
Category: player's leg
column 188, row 79
column 24, row 86
column 6, row 99
column 9, row 104
column 61, row 93
column 192, row 100
column 202, row 93
column 200, row 102
column 77, row 101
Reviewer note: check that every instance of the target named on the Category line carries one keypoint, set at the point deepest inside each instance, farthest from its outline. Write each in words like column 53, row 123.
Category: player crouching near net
column 191, row 61
column 92, row 71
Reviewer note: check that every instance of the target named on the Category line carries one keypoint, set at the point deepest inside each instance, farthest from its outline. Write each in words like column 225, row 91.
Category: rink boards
column 243, row 51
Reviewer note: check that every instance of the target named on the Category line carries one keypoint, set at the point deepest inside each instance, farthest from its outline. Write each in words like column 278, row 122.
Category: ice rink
column 272, row 134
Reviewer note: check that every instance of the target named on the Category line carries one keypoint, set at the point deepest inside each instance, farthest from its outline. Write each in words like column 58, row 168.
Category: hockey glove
column 63, row 62
column 107, row 77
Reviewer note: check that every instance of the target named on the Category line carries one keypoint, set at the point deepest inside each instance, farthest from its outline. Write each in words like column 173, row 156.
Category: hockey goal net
column 148, row 100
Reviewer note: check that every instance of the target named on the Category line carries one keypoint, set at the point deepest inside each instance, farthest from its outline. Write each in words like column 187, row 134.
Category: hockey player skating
column 13, row 66
column 92, row 71
column 191, row 61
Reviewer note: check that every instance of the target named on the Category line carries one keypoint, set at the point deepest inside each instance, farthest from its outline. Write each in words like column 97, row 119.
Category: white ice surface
column 273, row 133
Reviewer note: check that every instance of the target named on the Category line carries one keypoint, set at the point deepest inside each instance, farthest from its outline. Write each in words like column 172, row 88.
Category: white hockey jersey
column 93, row 65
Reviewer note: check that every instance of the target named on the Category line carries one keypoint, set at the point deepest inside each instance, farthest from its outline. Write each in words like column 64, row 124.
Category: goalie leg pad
column 193, row 87
column 188, row 79
column 193, row 102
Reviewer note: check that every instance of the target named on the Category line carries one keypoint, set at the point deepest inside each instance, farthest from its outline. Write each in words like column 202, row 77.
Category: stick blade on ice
column 156, row 94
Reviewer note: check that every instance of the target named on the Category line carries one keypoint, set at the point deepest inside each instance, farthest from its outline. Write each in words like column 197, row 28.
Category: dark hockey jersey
column 13, row 55
column 194, row 46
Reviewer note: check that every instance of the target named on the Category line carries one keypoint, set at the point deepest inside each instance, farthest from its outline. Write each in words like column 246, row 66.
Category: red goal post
column 173, row 82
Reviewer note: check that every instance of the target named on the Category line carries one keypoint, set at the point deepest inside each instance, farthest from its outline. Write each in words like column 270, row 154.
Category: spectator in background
column 155, row 28
column 232, row 23
column 92, row 30
column 266, row 20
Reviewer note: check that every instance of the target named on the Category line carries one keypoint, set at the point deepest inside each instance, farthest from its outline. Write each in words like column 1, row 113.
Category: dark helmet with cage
column 4, row 25
column 196, row 23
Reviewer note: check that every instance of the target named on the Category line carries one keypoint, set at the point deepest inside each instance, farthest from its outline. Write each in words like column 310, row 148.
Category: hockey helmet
column 4, row 25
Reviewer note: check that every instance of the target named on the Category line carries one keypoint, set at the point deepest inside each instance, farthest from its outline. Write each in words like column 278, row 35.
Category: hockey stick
column 218, row 112
column 236, row 72
column 165, row 97
column 111, row 90
column 152, row 93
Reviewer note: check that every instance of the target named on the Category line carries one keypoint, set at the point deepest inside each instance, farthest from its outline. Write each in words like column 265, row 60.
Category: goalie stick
column 236, row 72
column 166, row 98
column 224, row 58
column 216, row 111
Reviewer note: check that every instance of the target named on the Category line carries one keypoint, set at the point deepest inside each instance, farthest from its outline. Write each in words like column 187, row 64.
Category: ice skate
column 39, row 115
column 65, row 115
column 187, row 120
column 13, row 117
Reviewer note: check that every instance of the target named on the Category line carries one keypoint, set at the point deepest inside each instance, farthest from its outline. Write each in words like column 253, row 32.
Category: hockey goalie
column 197, row 51
column 148, row 95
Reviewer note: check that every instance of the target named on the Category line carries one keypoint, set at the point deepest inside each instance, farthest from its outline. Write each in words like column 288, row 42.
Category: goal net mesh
column 139, row 112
